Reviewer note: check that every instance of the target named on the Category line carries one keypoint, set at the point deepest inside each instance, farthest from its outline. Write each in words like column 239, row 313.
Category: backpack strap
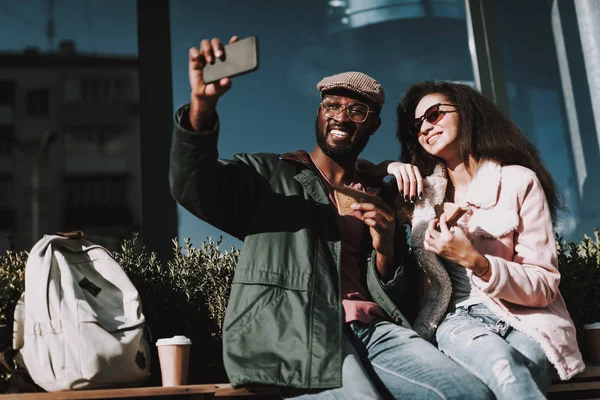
column 37, row 275
column 71, row 235
column 6, row 360
column 20, row 381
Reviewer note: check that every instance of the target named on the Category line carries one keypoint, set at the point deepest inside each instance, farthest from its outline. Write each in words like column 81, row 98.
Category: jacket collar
column 484, row 190
column 302, row 157
column 299, row 156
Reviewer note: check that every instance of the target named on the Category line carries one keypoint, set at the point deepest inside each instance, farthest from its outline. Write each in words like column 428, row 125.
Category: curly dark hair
column 485, row 132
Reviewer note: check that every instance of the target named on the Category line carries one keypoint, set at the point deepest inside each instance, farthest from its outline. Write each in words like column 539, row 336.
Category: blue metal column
column 485, row 51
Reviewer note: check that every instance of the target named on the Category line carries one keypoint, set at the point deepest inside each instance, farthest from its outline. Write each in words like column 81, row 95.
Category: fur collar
column 483, row 191
column 485, row 188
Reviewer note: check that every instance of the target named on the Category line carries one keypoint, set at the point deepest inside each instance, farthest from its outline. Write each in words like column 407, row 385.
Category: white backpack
column 79, row 323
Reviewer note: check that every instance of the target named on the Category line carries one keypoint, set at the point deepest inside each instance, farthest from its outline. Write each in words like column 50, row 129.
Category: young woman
column 494, row 272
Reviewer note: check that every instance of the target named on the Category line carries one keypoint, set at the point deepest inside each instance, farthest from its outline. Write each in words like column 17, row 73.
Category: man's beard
column 341, row 154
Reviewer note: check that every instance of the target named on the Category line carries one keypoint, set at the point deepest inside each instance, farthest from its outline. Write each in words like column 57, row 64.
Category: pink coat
column 508, row 221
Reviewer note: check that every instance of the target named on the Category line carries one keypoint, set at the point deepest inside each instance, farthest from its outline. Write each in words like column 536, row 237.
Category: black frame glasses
column 433, row 115
column 330, row 112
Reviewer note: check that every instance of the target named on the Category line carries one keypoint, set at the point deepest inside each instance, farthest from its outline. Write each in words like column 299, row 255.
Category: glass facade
column 539, row 48
column 274, row 109
column 548, row 52
column 534, row 89
column 547, row 84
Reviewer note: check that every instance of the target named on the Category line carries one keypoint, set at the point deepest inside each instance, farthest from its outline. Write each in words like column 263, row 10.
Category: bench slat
column 575, row 386
column 225, row 390
column 120, row 393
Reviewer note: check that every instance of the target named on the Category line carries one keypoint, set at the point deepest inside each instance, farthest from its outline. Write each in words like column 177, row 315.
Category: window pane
column 273, row 109
column 37, row 103
column 549, row 99
column 7, row 92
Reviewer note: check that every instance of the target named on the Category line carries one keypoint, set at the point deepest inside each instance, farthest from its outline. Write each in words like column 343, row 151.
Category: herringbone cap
column 356, row 82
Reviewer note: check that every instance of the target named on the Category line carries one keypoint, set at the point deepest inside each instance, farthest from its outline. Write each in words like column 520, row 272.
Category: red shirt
column 353, row 272
column 356, row 301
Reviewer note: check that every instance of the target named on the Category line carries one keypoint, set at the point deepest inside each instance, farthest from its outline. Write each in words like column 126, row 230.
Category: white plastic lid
column 595, row 325
column 175, row 340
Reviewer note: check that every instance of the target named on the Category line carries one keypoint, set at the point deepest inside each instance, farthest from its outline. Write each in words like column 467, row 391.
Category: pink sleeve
column 531, row 278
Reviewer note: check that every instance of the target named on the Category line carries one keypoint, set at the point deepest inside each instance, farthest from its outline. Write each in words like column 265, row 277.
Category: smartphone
column 240, row 58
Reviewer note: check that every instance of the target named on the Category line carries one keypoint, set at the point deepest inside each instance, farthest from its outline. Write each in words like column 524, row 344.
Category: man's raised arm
column 219, row 192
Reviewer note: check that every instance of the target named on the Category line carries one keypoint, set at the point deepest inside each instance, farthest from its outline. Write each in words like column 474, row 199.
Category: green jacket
column 284, row 319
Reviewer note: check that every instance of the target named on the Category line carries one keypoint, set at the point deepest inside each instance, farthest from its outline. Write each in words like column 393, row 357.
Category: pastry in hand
column 345, row 196
column 451, row 211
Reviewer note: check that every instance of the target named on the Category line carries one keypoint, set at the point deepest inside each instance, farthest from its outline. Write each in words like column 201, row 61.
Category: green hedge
column 12, row 276
column 188, row 294
column 579, row 265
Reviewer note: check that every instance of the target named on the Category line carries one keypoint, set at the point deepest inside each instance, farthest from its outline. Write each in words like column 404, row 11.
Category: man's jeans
column 512, row 364
column 383, row 360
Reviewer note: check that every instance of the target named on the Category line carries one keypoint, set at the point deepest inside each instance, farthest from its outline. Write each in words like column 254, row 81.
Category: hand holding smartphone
column 240, row 58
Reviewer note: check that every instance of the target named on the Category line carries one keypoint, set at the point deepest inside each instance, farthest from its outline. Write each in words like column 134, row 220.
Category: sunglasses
column 433, row 115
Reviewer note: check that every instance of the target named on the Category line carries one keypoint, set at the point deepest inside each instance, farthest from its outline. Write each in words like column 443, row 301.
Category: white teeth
column 433, row 138
column 338, row 133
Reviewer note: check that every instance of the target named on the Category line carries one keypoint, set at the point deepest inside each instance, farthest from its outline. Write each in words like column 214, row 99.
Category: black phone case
column 241, row 57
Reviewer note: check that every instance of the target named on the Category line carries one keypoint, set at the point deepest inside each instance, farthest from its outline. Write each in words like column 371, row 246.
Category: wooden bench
column 585, row 385
column 196, row 392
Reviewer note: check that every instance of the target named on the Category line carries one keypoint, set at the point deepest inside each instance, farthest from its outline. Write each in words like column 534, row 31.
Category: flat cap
column 356, row 82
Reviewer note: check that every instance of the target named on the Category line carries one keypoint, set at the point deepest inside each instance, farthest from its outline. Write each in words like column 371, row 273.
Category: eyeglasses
column 433, row 115
column 357, row 112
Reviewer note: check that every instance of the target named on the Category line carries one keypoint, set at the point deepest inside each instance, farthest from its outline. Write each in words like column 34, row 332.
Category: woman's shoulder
column 520, row 180
column 518, row 174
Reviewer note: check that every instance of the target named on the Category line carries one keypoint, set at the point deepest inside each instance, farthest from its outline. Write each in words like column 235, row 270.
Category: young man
column 308, row 311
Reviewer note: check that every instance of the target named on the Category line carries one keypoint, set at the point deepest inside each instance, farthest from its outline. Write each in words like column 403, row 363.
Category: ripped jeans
column 408, row 367
column 510, row 363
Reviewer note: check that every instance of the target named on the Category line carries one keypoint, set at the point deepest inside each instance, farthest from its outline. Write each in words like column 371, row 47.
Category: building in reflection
column 69, row 145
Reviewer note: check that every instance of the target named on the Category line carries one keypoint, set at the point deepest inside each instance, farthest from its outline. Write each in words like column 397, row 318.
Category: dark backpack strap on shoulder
column 6, row 360
column 20, row 381
column 71, row 235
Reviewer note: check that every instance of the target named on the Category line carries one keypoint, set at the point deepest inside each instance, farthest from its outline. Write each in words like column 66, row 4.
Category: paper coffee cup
column 592, row 337
column 174, row 356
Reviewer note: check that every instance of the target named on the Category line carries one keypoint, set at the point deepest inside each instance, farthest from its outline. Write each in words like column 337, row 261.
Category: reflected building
column 536, row 59
column 380, row 38
column 549, row 80
column 69, row 148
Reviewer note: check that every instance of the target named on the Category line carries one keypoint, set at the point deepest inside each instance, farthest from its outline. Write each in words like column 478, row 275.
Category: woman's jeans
column 383, row 360
column 510, row 363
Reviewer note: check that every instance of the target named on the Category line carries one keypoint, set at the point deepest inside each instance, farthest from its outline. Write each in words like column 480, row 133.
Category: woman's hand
column 453, row 244
column 409, row 180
